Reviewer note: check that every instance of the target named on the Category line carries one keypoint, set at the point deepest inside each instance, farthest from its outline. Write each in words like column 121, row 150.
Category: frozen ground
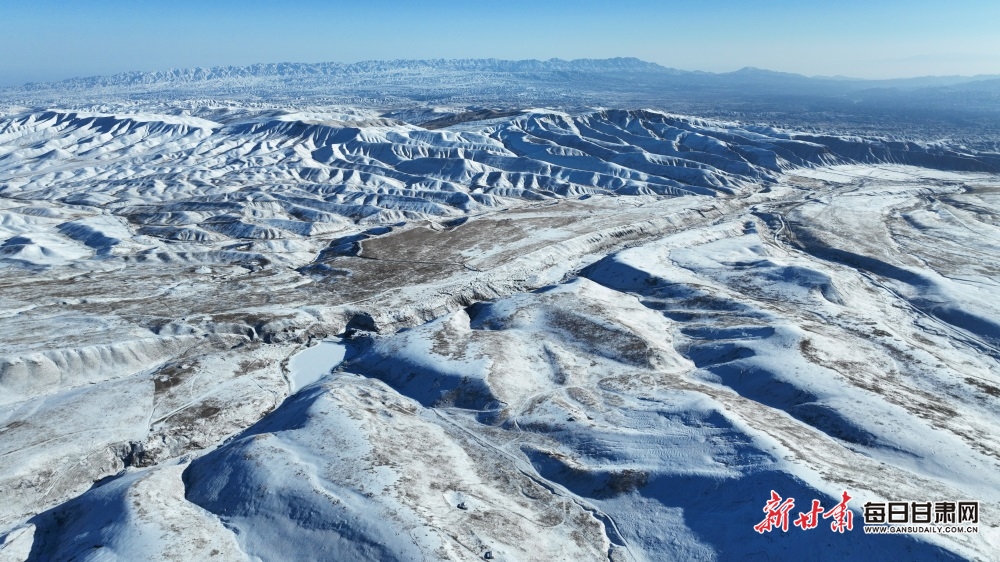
column 561, row 336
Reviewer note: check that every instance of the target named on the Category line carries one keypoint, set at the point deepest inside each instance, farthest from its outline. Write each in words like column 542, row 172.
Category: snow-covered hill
column 546, row 334
column 191, row 184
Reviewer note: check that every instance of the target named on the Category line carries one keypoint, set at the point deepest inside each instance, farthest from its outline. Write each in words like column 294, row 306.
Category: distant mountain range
column 941, row 105
column 327, row 69
column 526, row 68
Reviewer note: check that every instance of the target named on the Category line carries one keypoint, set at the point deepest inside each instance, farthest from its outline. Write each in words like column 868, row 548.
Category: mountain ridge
column 328, row 68
column 374, row 65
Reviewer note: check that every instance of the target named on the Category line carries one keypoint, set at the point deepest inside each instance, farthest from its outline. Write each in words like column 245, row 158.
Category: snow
column 313, row 363
column 609, row 334
column 184, row 184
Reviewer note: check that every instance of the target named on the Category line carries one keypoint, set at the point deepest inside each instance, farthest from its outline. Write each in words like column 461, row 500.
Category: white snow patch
column 312, row 364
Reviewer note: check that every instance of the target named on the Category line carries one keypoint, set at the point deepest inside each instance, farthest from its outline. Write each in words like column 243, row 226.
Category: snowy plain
column 242, row 331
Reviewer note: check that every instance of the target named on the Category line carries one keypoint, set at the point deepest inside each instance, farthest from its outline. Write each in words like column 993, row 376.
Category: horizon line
column 549, row 60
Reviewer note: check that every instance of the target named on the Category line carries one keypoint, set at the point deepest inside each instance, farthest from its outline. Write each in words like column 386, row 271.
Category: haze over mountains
column 969, row 106
column 452, row 310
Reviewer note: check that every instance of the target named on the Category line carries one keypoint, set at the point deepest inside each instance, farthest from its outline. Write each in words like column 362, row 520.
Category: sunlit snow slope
column 287, row 177
column 602, row 335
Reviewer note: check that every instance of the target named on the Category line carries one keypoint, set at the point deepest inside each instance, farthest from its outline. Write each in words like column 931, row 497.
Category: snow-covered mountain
column 954, row 106
column 239, row 331
column 289, row 75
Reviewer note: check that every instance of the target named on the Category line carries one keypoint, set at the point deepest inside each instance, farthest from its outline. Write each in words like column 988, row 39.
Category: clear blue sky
column 48, row 40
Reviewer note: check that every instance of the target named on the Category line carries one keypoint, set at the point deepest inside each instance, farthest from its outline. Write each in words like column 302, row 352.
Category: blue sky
column 48, row 40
